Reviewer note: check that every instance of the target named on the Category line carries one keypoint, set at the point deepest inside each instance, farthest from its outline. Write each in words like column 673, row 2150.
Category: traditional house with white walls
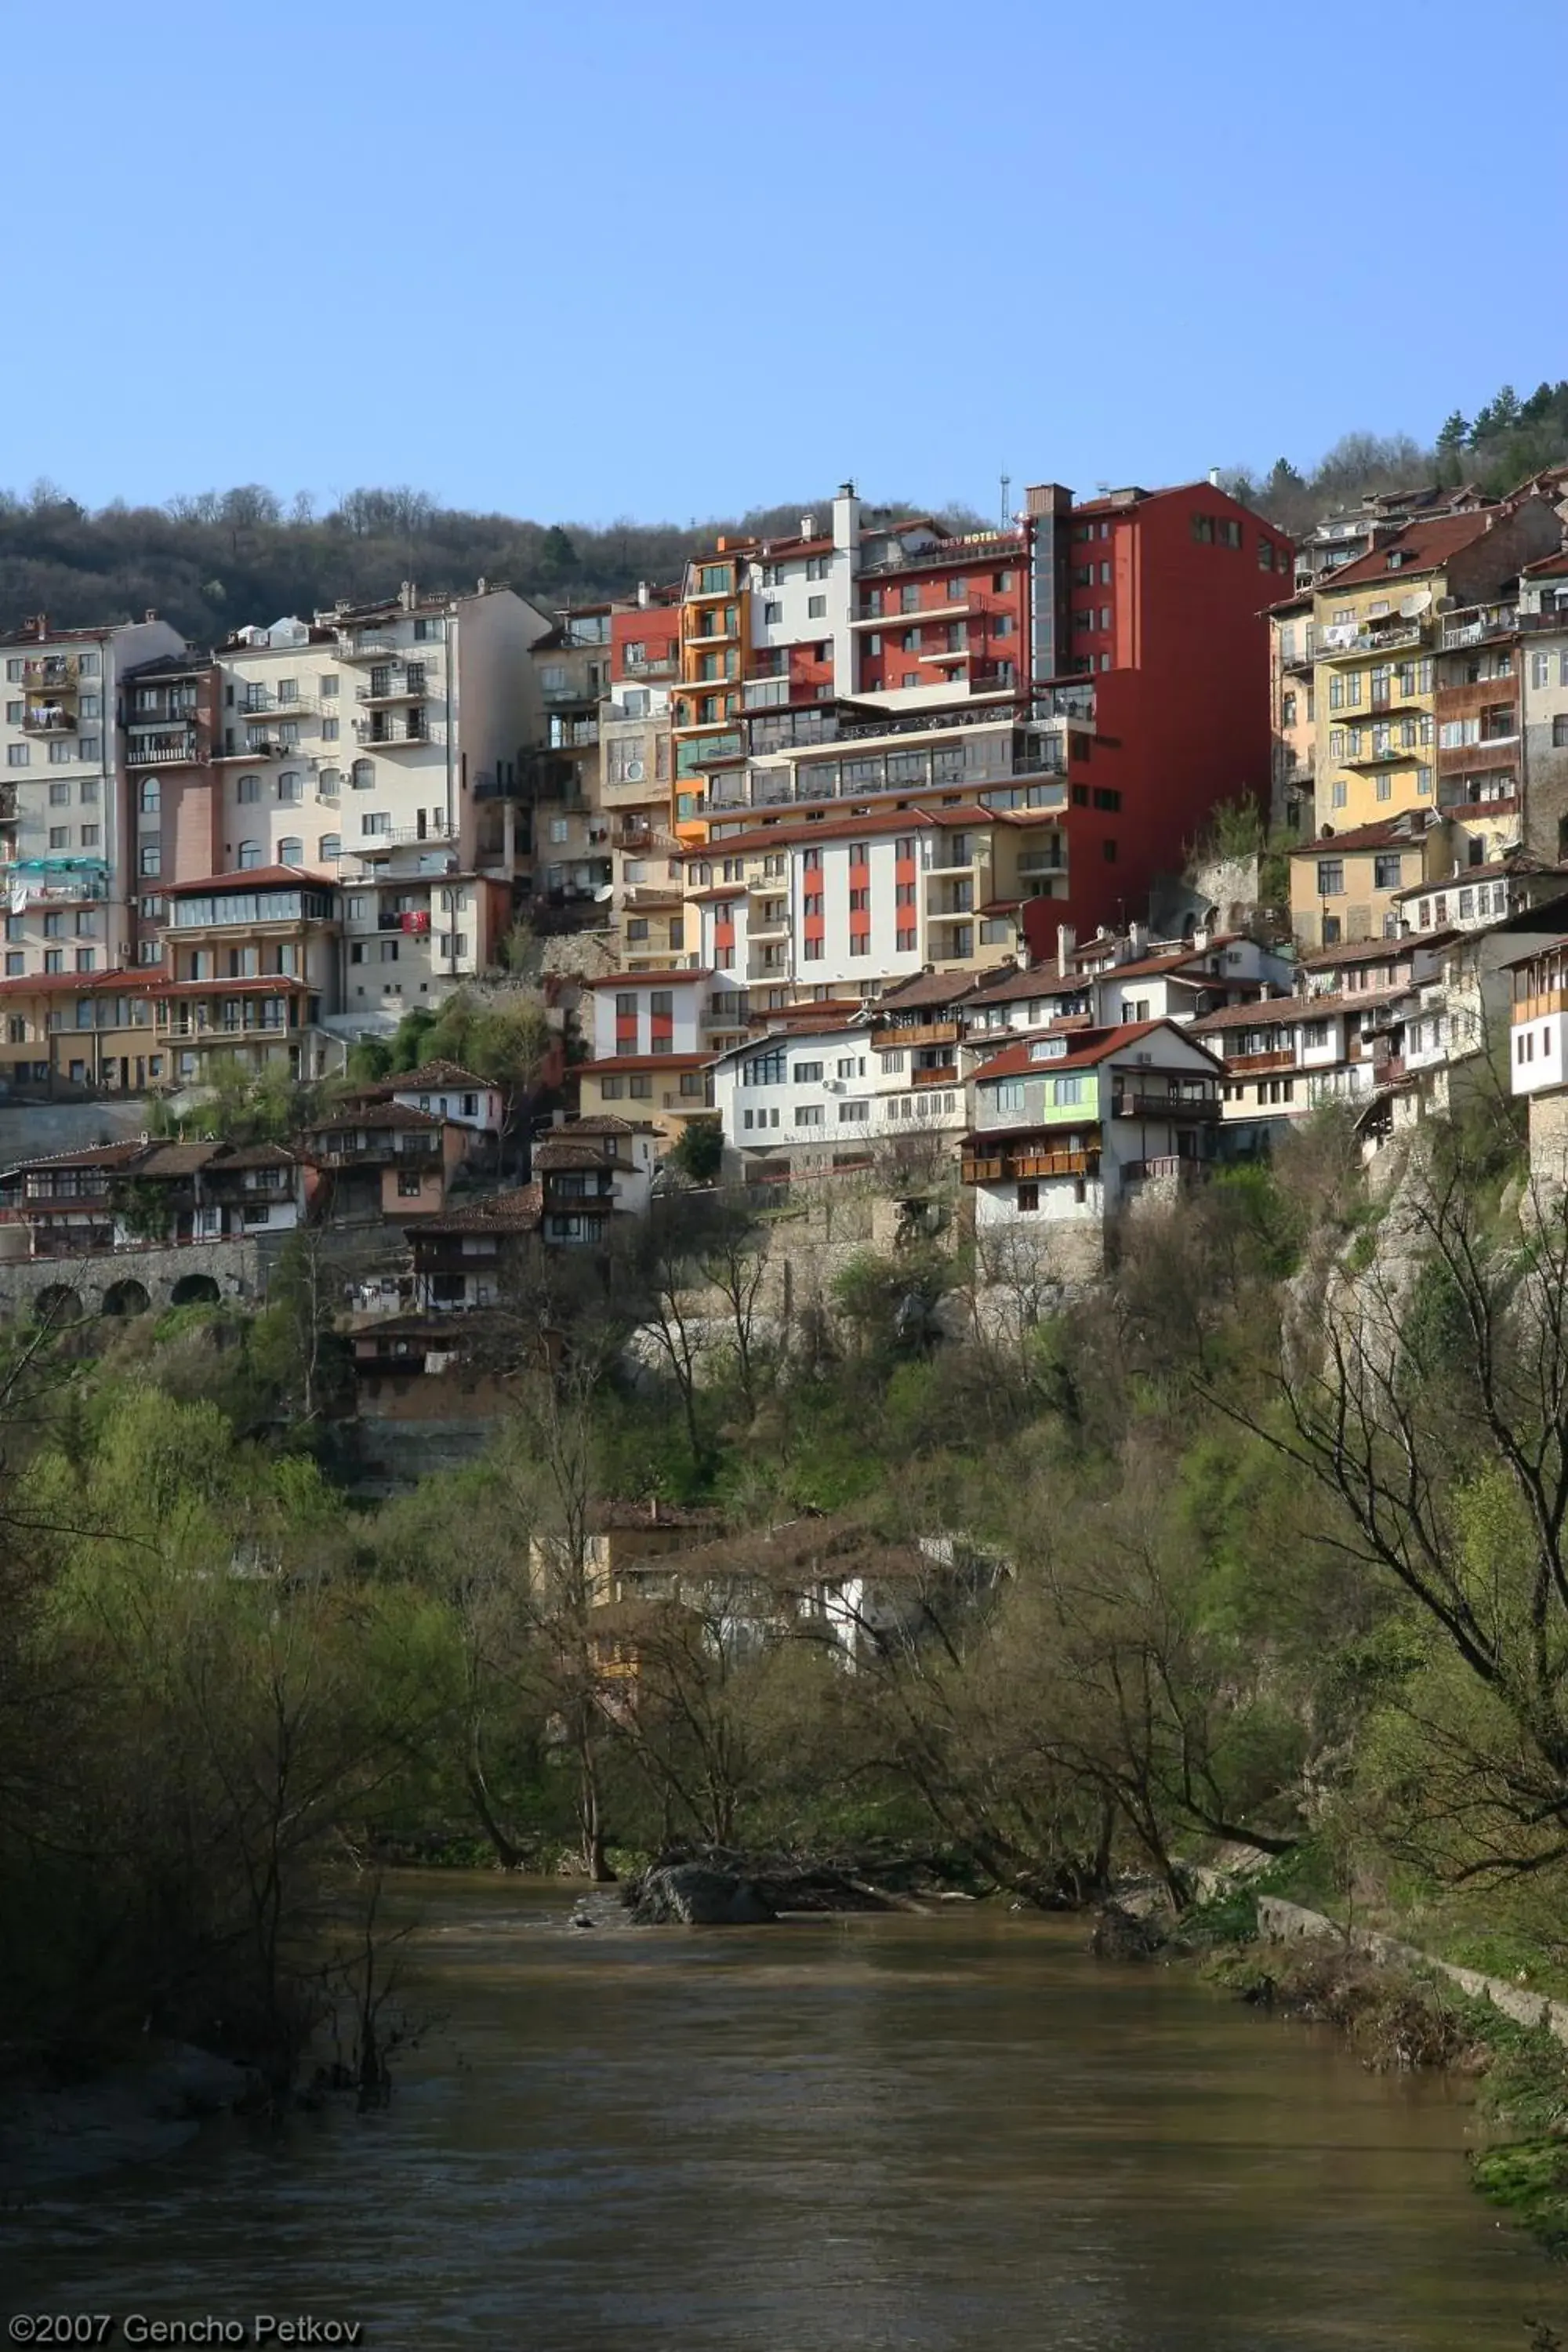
column 807, row 1101
column 1067, row 1131
column 1537, row 1054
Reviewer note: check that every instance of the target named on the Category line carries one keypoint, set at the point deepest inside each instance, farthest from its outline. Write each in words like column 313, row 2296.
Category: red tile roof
column 81, row 983
column 1389, row 833
column 1423, row 545
column 1099, row 1046
column 1548, row 567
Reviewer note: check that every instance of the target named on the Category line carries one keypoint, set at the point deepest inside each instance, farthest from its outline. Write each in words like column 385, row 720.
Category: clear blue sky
column 585, row 260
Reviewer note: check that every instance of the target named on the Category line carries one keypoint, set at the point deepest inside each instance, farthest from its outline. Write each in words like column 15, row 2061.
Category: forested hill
column 212, row 561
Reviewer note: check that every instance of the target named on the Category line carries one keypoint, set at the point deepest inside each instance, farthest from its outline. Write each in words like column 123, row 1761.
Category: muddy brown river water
column 958, row 2134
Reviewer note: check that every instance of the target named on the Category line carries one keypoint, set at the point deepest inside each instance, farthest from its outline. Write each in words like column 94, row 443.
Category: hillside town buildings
column 842, row 845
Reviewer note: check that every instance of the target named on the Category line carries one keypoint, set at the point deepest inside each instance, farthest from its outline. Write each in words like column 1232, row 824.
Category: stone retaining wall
column 238, row 1268
column 1289, row 1923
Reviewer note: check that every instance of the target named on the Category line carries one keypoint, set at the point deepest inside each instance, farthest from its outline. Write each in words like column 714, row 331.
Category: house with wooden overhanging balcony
column 1067, row 1131
column 141, row 1193
column 590, row 1173
column 380, row 1161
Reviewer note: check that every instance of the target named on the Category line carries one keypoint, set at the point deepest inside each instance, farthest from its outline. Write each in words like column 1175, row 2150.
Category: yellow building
column 1375, row 627
column 1343, row 884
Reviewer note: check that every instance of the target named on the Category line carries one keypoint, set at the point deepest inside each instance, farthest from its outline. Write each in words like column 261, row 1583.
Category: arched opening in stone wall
column 194, row 1290
column 127, row 1297
column 57, row 1304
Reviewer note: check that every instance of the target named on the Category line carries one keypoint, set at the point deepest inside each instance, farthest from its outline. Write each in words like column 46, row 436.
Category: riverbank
column 55, row 2133
column 1399, row 2007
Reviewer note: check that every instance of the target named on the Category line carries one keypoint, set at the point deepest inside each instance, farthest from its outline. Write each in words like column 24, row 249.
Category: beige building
column 1543, row 689
column 1346, row 886
column 379, row 746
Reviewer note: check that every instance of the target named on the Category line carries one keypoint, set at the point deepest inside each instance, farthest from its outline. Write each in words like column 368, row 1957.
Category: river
column 955, row 2134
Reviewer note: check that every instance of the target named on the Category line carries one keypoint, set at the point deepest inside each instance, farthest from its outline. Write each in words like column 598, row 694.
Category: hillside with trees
column 213, row 560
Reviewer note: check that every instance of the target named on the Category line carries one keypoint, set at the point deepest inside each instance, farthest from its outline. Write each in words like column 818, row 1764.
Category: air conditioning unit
column 634, row 772
column 835, row 1087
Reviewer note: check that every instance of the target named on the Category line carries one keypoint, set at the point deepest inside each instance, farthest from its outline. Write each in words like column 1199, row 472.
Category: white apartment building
column 826, row 1096
column 377, row 744
column 1543, row 620
column 67, row 853
column 655, row 1036
column 856, row 903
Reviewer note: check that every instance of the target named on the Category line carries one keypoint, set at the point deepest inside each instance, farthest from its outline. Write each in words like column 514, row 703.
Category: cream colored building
column 379, row 745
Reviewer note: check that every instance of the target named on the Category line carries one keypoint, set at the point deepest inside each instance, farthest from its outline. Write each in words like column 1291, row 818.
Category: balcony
column 43, row 718
column 1172, row 1166
column 1341, row 641
column 1003, row 547
column 664, row 667
column 1247, row 1065
column 384, row 733
column 559, row 696
column 414, row 686
column 890, row 1036
column 262, row 746
column 47, row 674
column 371, row 648
column 917, row 616
column 1479, row 628
column 428, row 835
column 1485, row 752
column 1007, row 1163
column 181, row 748
column 1151, row 1102
column 935, row 1073
column 259, row 706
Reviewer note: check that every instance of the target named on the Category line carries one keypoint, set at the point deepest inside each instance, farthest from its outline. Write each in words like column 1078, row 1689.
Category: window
column 1386, row 872
column 854, row 1114
column 808, row 1115
column 291, row 787
column 60, row 794
column 362, row 776
column 249, row 856
column 54, row 959
column 151, row 858
column 1560, row 732
column 60, row 836
column 15, row 964
column 90, row 836
column 807, row 1074
column 1331, row 877
column 150, row 796
column 54, row 927
column 1029, row 1199
column 1065, row 1091
column 817, row 608
column 292, row 850
column 1331, row 930
column 389, row 950
column 329, row 848
column 247, row 789
column 1008, row 1094
column 85, row 958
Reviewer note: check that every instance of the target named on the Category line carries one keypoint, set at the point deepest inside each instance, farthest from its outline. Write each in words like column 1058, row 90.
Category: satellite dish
column 600, row 896
column 1417, row 602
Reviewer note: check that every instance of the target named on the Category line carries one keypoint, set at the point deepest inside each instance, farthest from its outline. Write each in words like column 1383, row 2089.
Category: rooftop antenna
column 1006, row 486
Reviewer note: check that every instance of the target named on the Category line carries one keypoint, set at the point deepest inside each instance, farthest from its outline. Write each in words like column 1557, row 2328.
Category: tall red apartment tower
column 1156, row 599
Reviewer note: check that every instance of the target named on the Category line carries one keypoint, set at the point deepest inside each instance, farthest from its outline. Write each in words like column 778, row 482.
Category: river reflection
column 959, row 2134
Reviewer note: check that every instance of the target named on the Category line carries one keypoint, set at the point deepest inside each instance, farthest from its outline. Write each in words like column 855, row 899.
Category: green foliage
column 698, row 1150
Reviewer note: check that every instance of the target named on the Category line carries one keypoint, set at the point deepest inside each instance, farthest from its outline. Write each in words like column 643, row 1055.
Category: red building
column 1163, row 610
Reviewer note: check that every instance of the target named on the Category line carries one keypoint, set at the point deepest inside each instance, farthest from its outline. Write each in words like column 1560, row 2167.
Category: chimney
column 1067, row 939
column 406, row 595
column 643, row 597
column 845, row 521
column 1137, row 939
column 653, row 1509
column 1201, row 937
column 808, row 525
column 479, row 586
column 151, row 614
column 1214, row 477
